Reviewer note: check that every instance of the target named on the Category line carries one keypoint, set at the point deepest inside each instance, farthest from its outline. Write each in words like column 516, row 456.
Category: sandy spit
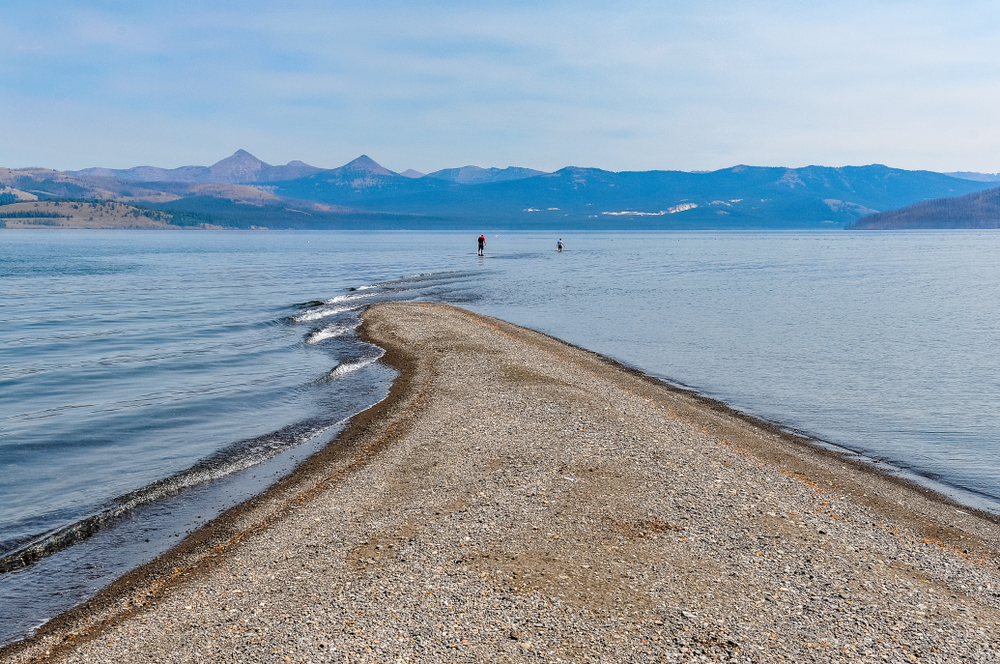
column 517, row 499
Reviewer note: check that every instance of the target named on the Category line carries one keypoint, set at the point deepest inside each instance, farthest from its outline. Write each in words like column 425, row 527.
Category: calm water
column 149, row 380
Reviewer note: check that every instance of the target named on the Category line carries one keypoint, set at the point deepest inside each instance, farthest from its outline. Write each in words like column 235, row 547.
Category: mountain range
column 240, row 168
column 737, row 197
column 244, row 168
column 244, row 191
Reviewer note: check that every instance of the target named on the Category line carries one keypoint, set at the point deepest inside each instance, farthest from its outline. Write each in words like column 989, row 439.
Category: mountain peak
column 242, row 157
column 368, row 165
column 241, row 167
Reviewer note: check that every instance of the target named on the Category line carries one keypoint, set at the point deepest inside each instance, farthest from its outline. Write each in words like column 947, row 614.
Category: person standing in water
column 559, row 245
column 482, row 244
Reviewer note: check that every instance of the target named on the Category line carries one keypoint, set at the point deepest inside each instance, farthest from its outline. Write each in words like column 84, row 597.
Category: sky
column 667, row 85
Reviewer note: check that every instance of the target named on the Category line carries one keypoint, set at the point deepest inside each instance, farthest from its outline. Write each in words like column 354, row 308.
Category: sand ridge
column 519, row 499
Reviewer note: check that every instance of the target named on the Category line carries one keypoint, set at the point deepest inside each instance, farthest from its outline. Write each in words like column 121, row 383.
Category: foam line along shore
column 519, row 498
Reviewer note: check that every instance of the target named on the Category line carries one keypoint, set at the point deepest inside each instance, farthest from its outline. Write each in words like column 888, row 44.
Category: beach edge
column 372, row 429
column 204, row 548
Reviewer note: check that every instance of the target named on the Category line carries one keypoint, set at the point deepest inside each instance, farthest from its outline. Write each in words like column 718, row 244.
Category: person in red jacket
column 482, row 244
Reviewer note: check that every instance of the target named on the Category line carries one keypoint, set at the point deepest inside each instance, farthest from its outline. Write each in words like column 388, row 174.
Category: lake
column 149, row 380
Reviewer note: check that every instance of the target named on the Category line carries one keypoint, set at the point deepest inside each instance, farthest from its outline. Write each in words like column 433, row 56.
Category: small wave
column 239, row 456
column 324, row 309
column 348, row 298
column 351, row 367
column 324, row 312
column 448, row 275
column 345, row 368
column 404, row 284
column 331, row 332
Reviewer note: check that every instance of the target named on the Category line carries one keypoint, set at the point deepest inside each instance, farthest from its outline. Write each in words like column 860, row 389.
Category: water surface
column 149, row 380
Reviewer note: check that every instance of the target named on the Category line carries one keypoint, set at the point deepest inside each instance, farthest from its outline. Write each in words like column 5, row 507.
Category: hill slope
column 977, row 210
column 66, row 214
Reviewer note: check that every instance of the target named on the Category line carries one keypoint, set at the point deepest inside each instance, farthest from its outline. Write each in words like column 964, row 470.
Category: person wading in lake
column 482, row 244
column 559, row 245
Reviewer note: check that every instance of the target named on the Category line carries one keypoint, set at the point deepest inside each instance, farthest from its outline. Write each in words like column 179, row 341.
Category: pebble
column 525, row 500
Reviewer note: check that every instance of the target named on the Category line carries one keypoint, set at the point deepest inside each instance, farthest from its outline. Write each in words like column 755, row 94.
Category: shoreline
column 197, row 552
column 705, row 426
column 793, row 437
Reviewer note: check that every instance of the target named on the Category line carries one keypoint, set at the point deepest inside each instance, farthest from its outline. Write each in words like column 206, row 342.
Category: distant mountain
column 364, row 166
column 244, row 168
column 737, row 197
column 978, row 177
column 361, row 174
column 241, row 168
column 977, row 210
column 298, row 195
column 477, row 175
column 360, row 180
column 290, row 171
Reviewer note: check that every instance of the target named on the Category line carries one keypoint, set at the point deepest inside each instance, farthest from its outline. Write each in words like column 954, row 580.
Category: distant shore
column 519, row 499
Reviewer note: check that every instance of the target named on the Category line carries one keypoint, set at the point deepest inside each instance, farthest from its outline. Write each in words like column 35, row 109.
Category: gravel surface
column 517, row 499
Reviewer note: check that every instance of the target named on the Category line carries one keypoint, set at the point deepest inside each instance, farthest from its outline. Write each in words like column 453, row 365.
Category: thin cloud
column 432, row 85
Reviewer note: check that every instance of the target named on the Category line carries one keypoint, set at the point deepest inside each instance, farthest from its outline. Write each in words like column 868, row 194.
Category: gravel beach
column 517, row 499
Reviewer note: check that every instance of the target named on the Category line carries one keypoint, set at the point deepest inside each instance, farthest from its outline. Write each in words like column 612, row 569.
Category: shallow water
column 882, row 343
column 149, row 380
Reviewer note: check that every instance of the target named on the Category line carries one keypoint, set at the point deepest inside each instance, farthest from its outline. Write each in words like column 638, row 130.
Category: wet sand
column 519, row 499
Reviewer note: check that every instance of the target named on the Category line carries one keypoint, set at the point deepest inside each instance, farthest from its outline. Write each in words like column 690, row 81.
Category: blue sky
column 431, row 85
